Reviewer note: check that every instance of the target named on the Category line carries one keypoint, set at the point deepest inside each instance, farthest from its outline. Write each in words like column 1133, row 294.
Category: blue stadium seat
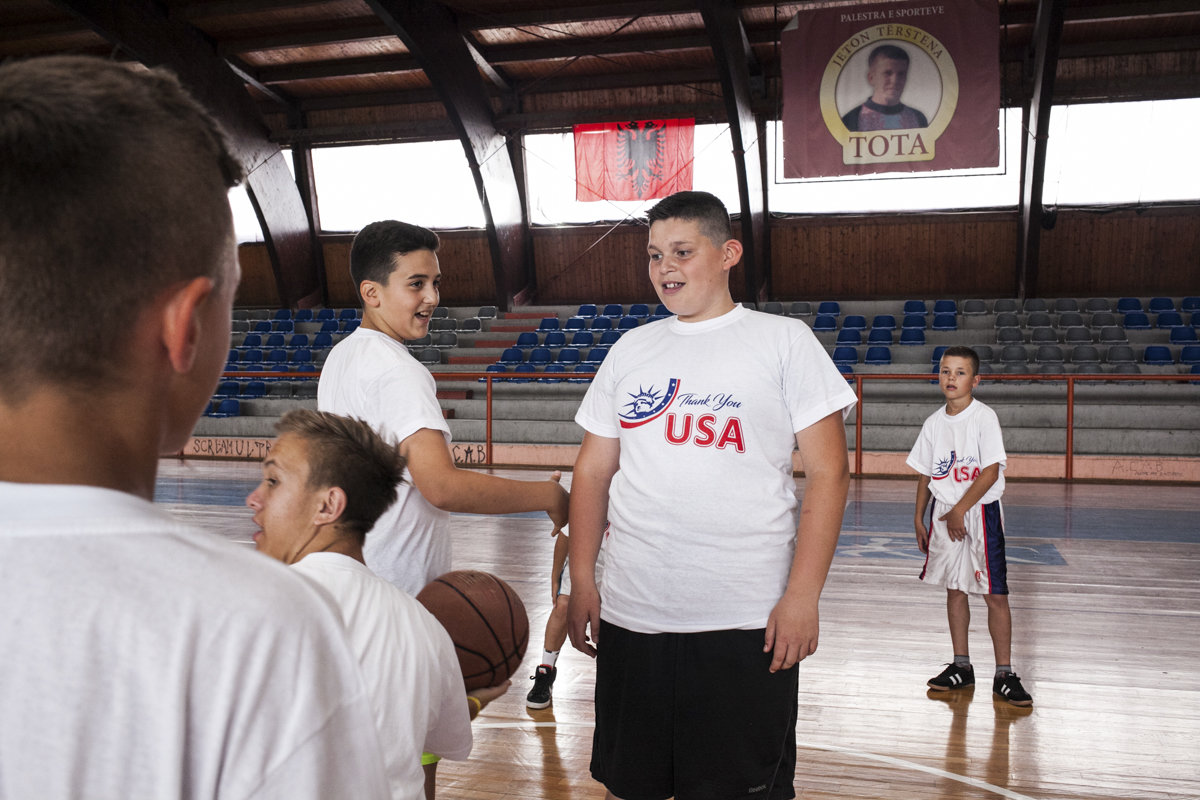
column 512, row 355
column 253, row 390
column 251, row 356
column 849, row 336
column 878, row 355
column 845, row 369
column 301, row 355
column 298, row 340
column 845, row 355
column 330, row 326
column 549, row 324
column 1127, row 304
column 575, row 324
column 1161, row 304
column 825, row 322
column 884, row 322
column 854, row 322
column 494, row 368
column 1136, row 321
column 262, row 326
column 527, row 339
column 602, row 323
column 1157, row 354
column 1184, row 335
column 303, row 315
column 276, row 356
column 348, row 313
column 610, row 337
column 628, row 323
column 226, row 407
column 1169, row 319
column 662, row 311
column 326, row 313
column 879, row 336
column 283, row 313
column 944, row 322
column 830, row 307
column 525, row 369
column 275, row 340
column 322, row 340
column 915, row 307
column 350, row 325
column 585, row 378
column 587, row 311
column 1190, row 304
column 551, row 369
column 945, row 307
column 614, row 310
column 596, row 355
column 913, row 322
column 252, row 340
column 540, row 356
column 555, row 339
column 227, row 389
column 284, row 326
column 912, row 336
column 568, row 356
column 1190, row 354
column 639, row 310
column 936, row 356
column 583, row 339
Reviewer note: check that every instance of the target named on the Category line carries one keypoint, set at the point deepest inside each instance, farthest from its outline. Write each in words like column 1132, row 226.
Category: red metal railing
column 859, row 380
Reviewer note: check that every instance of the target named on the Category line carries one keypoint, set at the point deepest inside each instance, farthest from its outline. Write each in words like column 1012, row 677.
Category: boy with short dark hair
column 370, row 375
column 141, row 657
column 960, row 455
column 711, row 578
column 325, row 482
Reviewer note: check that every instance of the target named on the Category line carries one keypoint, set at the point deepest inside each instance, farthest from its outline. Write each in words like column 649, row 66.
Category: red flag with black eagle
column 633, row 160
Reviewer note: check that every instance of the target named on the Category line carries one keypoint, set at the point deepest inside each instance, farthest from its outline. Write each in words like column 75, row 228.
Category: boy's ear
column 180, row 323
column 333, row 505
column 731, row 253
column 369, row 292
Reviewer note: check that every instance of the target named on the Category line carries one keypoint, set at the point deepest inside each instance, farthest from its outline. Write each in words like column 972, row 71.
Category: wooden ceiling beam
column 430, row 32
column 575, row 12
column 232, row 8
column 341, row 68
column 141, row 28
column 358, row 29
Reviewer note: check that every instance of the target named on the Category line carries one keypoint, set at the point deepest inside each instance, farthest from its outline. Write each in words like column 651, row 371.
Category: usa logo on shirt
column 646, row 405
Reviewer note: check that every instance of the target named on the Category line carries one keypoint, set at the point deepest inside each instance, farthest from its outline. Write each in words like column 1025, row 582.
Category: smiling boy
column 711, row 578
column 371, row 376
column 960, row 456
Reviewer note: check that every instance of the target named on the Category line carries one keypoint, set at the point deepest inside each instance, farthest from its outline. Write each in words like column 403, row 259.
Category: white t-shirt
column 409, row 664
column 702, row 509
column 372, row 377
column 952, row 450
column 142, row 658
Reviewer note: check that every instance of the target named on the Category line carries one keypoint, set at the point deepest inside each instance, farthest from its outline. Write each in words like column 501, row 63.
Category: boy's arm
column 923, row 497
column 955, row 524
column 794, row 623
column 561, row 543
column 598, row 460
column 452, row 489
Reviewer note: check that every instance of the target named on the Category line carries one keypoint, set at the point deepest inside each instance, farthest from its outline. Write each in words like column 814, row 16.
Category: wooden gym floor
column 1106, row 619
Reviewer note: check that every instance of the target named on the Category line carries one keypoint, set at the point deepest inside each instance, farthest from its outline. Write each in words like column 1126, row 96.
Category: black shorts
column 694, row 716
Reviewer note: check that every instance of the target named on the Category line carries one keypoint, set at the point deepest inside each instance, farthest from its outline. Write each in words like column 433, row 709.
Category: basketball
column 486, row 621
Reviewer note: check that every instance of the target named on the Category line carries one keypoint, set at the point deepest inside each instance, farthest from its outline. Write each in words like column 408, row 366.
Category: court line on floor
column 895, row 762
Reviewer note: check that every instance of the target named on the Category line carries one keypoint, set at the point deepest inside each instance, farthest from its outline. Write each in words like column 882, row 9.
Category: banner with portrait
column 891, row 87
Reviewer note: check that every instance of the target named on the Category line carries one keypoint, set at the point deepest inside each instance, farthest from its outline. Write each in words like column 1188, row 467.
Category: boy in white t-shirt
column 371, row 376
column 960, row 455
column 325, row 482
column 711, row 577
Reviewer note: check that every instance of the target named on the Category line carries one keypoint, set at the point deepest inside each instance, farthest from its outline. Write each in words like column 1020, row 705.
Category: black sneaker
column 543, row 681
column 1007, row 687
column 953, row 677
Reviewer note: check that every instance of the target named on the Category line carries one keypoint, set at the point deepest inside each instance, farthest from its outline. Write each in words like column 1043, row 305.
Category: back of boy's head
column 700, row 207
column 962, row 351
column 348, row 454
column 114, row 186
column 373, row 254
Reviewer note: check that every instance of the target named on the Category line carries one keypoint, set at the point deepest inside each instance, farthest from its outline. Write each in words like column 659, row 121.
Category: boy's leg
column 1000, row 626
column 958, row 613
column 541, row 695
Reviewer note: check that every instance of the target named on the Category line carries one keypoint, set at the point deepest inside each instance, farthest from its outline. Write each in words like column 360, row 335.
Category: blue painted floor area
column 1046, row 522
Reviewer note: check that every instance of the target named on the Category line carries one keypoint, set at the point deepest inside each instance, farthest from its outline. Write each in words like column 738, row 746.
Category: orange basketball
column 486, row 621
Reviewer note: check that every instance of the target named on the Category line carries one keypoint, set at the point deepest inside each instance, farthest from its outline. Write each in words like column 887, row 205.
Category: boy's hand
column 922, row 536
column 955, row 524
column 559, row 505
column 792, row 632
column 488, row 694
column 583, row 614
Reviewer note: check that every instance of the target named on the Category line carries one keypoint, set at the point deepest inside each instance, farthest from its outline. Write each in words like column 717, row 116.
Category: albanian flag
column 633, row 160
